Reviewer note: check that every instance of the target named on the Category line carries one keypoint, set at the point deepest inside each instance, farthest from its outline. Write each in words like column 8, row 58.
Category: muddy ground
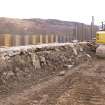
column 62, row 74
column 83, row 84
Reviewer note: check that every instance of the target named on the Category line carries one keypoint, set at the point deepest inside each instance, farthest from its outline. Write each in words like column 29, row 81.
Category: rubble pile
column 29, row 64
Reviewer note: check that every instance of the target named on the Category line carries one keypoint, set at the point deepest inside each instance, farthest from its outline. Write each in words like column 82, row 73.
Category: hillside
column 37, row 26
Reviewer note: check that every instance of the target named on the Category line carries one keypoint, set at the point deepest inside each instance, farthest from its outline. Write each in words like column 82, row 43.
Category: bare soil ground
column 80, row 85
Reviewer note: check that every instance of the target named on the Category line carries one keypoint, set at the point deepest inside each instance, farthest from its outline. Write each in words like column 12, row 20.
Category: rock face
column 28, row 64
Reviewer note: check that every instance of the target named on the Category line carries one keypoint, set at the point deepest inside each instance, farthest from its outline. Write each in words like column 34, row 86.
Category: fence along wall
column 80, row 32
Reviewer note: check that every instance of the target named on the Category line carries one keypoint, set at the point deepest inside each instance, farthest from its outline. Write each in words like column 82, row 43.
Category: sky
column 68, row 10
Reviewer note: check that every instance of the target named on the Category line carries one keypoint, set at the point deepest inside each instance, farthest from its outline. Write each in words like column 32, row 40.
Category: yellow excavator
column 100, row 41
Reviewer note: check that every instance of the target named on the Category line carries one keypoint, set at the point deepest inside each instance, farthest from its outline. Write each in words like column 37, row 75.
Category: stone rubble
column 25, row 64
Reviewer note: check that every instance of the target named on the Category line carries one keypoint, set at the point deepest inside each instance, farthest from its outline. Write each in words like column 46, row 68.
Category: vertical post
column 8, row 40
column 92, row 27
column 46, row 38
column 84, row 27
column 102, row 25
column 26, row 39
column 76, row 31
column 83, row 32
column 41, row 39
column 33, row 39
column 52, row 38
column 56, row 38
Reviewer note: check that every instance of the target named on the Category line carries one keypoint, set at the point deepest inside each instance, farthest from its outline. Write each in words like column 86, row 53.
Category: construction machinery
column 100, row 41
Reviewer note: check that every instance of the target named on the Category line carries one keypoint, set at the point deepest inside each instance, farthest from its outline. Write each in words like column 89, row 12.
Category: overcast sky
column 70, row 10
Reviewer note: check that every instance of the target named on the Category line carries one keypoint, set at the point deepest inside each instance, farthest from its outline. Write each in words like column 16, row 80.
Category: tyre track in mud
column 82, row 85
